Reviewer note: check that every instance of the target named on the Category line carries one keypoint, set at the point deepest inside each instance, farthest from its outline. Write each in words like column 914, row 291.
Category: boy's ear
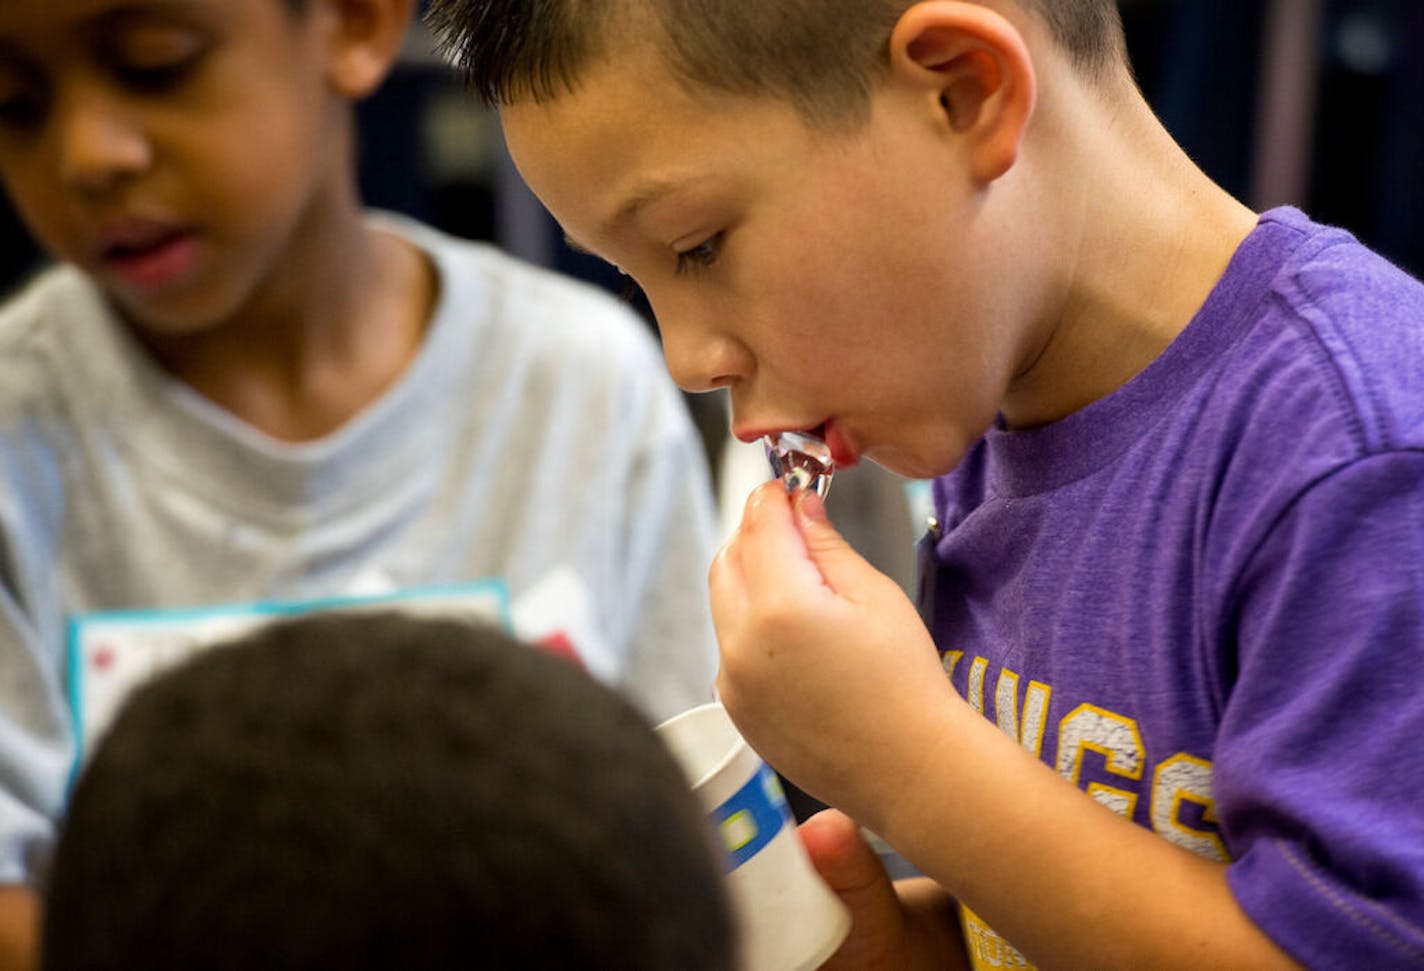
column 363, row 39
column 975, row 66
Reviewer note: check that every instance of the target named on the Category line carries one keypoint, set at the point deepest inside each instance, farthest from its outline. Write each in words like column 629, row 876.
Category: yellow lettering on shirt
column 1027, row 731
column 1182, row 809
column 1184, row 779
column 987, row 949
column 976, row 684
column 949, row 660
column 1089, row 728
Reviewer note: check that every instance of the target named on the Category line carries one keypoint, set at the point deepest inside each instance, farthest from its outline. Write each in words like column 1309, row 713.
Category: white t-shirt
column 536, row 439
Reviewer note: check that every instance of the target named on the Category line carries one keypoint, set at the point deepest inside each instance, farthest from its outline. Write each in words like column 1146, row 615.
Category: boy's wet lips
column 843, row 453
column 147, row 254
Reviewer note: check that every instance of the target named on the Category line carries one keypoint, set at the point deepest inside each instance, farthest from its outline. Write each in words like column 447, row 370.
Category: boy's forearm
column 19, row 928
column 1067, row 881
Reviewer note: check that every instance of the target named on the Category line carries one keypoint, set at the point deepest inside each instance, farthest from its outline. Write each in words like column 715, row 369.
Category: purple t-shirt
column 1201, row 598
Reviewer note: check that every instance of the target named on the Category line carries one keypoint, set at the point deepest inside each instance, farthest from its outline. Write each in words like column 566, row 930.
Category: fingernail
column 810, row 506
column 753, row 499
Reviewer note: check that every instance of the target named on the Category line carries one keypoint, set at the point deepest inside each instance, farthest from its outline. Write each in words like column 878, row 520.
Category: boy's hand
column 884, row 932
column 827, row 669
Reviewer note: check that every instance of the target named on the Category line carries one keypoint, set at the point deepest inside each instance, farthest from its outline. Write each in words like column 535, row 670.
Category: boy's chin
column 171, row 317
column 913, row 464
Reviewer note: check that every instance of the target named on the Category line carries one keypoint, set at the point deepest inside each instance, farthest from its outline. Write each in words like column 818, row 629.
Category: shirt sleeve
column 36, row 749
column 1319, row 770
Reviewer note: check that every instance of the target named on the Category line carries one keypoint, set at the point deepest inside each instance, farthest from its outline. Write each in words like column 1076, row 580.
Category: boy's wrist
column 932, row 754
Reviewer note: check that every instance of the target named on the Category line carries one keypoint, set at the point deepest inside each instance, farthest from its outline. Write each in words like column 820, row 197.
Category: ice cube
column 801, row 461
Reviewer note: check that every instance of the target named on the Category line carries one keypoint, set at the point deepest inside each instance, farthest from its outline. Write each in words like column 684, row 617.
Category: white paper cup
column 787, row 916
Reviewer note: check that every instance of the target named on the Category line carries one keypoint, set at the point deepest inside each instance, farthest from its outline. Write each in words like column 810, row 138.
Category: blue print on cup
column 752, row 817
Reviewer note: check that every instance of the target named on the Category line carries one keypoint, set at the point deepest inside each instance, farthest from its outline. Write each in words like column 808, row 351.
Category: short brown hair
column 822, row 57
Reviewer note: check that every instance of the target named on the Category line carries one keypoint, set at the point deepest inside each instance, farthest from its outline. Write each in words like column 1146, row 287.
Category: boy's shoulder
column 1335, row 281
column 53, row 292
column 506, row 329
column 47, row 361
column 535, row 313
column 1342, row 325
column 498, row 275
column 43, row 325
column 1304, row 360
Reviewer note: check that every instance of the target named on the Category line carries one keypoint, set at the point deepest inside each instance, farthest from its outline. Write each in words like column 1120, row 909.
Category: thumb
column 841, row 854
column 850, row 867
column 840, row 565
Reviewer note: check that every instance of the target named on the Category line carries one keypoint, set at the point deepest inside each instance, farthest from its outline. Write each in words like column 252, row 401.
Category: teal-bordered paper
column 111, row 652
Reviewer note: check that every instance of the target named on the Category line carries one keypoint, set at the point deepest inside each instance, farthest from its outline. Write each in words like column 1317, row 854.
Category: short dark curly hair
column 824, row 58
column 377, row 791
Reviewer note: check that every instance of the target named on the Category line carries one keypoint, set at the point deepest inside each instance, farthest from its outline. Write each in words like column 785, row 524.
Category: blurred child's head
column 803, row 190
column 182, row 151
column 383, row 792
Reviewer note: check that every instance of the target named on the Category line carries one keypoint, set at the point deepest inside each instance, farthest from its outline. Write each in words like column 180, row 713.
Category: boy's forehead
column 630, row 141
column 623, row 137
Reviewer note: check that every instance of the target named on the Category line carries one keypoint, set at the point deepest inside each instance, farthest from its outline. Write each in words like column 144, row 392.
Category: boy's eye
column 153, row 78
column 20, row 111
column 151, row 60
column 21, row 103
column 701, row 256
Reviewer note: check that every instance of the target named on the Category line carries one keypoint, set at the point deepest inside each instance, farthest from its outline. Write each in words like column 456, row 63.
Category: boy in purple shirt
column 1177, row 575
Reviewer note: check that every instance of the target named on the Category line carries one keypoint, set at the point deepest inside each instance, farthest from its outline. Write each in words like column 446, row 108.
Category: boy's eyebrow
column 644, row 194
column 126, row 15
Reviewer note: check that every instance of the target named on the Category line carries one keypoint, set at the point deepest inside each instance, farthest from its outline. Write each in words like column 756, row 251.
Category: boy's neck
column 329, row 331
column 1142, row 237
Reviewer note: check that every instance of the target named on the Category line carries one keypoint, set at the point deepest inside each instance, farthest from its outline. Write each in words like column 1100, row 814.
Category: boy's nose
column 703, row 359
column 98, row 147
